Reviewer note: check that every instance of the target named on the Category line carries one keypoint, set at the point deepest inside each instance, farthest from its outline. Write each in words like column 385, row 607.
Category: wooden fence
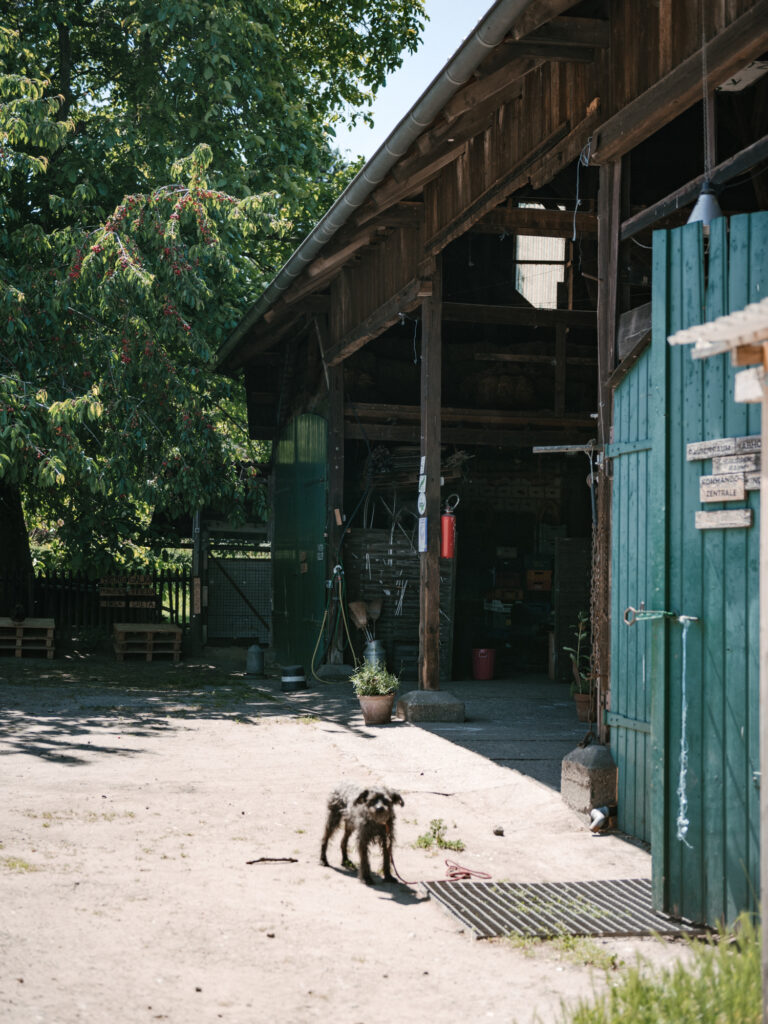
column 76, row 599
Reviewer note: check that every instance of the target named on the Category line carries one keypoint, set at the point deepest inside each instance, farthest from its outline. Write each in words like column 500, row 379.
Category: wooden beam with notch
column 565, row 52
column 383, row 317
column 392, row 191
column 745, row 39
column 488, row 417
column 264, row 337
column 480, row 436
column 540, row 223
column 520, row 316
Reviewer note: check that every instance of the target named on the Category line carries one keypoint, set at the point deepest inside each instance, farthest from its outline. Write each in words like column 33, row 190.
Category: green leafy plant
column 373, row 680
column 436, row 837
column 722, row 983
column 581, row 656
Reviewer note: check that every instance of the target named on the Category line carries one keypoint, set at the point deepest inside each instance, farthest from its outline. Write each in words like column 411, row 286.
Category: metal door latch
column 633, row 615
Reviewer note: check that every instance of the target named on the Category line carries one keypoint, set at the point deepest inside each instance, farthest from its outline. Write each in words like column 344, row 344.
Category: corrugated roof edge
column 488, row 34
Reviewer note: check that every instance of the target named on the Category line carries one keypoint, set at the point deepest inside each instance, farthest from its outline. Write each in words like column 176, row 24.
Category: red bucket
column 483, row 662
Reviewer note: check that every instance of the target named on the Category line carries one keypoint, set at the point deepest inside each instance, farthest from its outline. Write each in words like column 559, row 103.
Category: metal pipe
column 488, row 34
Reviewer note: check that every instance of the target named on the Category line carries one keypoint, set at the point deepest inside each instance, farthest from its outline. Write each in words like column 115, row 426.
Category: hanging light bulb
column 707, row 207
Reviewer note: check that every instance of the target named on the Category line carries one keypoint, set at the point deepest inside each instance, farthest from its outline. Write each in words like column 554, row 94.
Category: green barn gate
column 298, row 538
column 695, row 759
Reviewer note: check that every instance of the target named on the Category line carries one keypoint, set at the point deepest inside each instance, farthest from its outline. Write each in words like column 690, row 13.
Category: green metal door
column 700, row 683
column 298, row 539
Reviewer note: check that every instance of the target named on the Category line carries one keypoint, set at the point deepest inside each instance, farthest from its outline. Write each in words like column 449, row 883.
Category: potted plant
column 375, row 688
column 581, row 667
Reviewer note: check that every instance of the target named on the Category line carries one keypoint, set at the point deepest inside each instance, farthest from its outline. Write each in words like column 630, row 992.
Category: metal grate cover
column 612, row 907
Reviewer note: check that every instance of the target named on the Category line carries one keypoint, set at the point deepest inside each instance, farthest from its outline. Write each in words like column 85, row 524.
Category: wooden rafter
column 489, row 417
column 387, row 314
column 541, row 223
column 521, row 316
column 743, row 40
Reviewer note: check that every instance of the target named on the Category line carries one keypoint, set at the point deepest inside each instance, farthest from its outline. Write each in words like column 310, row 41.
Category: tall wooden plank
column 714, row 567
column 431, row 401
column 658, row 404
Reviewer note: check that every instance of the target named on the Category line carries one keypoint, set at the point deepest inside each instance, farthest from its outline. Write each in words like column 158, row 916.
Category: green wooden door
column 632, row 524
column 298, row 539
column 701, row 754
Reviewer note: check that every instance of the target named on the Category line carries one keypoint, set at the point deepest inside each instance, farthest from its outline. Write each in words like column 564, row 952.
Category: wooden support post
column 609, row 223
column 560, row 335
column 431, row 401
column 334, row 376
column 763, row 686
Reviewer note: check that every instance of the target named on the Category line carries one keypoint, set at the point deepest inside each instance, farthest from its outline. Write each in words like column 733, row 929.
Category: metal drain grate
column 614, row 907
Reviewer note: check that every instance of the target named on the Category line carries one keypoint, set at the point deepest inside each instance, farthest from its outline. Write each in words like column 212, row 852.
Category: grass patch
column 17, row 864
column 576, row 949
column 720, row 986
column 436, row 837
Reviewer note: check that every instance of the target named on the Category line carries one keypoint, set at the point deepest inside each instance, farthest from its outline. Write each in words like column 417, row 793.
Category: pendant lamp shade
column 707, row 207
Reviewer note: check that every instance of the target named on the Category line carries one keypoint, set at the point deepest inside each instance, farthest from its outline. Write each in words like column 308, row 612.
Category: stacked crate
column 147, row 639
column 33, row 637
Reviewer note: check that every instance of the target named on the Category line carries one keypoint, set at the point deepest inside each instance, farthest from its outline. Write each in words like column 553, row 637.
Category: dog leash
column 458, row 873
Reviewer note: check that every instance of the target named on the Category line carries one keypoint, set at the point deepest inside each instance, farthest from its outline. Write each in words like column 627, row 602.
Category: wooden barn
column 479, row 324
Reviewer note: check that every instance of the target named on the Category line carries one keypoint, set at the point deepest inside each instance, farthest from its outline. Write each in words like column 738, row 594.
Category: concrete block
column 588, row 778
column 430, row 706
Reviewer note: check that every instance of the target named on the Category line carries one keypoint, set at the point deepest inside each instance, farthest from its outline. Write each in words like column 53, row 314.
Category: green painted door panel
column 708, row 871
column 298, row 539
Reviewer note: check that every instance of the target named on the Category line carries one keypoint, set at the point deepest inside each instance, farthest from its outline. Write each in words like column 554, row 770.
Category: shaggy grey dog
column 370, row 813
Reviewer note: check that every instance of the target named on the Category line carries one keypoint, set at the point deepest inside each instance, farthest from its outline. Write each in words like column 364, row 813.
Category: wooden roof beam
column 264, row 337
column 495, row 417
column 482, row 436
column 393, row 190
column 743, row 40
column 517, row 316
column 559, row 148
column 586, row 32
column 387, row 314
column 540, row 223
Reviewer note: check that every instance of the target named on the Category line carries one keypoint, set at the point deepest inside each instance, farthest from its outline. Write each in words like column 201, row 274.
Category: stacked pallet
column 148, row 639
column 32, row 637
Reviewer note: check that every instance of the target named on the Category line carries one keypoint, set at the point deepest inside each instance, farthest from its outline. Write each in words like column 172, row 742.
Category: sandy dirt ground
column 132, row 798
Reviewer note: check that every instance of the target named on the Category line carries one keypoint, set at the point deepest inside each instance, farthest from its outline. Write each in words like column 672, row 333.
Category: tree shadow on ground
column 68, row 711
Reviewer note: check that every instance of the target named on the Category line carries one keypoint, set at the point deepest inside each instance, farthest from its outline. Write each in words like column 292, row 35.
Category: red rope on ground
column 457, row 873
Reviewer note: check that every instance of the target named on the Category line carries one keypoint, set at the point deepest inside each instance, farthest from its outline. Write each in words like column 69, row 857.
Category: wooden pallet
column 148, row 639
column 33, row 637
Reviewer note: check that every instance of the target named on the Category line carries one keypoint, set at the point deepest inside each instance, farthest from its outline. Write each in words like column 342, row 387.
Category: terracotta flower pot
column 585, row 707
column 377, row 710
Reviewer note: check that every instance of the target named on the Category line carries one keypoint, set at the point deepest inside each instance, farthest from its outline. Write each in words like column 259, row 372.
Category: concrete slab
column 430, row 706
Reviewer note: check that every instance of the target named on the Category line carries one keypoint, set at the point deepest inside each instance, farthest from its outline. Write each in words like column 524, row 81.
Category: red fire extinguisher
column 448, row 528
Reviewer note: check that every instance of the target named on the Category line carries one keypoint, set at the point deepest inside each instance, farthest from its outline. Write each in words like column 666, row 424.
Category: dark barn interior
column 522, row 220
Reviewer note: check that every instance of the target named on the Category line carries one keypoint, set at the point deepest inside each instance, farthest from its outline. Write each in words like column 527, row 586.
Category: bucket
column 293, row 678
column 483, row 662
column 254, row 661
column 373, row 653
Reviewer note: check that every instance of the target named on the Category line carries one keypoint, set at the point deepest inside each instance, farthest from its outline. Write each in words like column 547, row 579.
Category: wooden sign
column 735, row 463
column 722, row 446
column 724, row 519
column 722, row 487
column 752, row 481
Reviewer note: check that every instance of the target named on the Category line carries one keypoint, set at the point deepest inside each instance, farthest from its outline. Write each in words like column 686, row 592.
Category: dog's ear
column 362, row 797
column 396, row 798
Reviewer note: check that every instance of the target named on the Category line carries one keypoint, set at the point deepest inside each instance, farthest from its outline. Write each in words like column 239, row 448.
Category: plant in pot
column 375, row 688
column 582, row 688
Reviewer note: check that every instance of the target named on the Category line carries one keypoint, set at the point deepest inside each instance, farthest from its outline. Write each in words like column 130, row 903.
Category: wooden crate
column 33, row 637
column 147, row 639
